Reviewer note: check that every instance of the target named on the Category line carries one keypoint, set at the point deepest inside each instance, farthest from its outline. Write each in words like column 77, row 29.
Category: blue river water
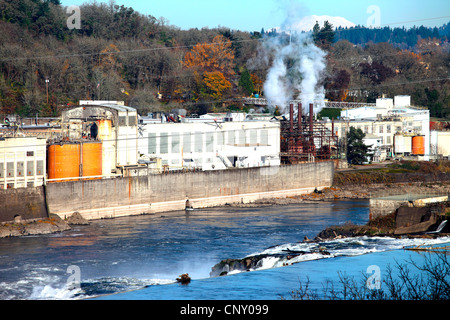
column 139, row 257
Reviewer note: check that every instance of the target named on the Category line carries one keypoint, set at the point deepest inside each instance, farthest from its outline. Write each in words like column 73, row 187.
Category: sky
column 252, row 15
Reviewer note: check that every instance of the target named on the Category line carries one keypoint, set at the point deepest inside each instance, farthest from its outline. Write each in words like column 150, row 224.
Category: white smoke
column 297, row 66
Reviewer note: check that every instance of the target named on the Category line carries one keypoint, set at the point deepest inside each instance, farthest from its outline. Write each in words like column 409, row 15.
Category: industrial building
column 98, row 138
column 400, row 129
column 306, row 140
column 22, row 162
column 211, row 144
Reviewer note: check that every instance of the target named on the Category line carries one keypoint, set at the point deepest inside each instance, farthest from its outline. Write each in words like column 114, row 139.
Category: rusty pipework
column 291, row 117
column 299, row 117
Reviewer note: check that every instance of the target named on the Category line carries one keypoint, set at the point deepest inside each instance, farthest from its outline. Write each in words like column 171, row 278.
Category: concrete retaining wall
column 29, row 203
column 96, row 199
column 379, row 207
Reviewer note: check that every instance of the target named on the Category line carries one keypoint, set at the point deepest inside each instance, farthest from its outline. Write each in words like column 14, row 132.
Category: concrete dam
column 123, row 196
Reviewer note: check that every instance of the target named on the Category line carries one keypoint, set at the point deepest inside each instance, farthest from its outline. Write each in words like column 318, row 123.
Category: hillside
column 121, row 54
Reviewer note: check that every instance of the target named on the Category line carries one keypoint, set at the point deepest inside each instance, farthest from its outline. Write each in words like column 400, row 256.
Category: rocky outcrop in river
column 49, row 225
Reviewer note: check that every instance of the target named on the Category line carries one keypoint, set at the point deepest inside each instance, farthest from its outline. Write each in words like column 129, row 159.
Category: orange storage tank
column 92, row 159
column 418, row 145
column 63, row 161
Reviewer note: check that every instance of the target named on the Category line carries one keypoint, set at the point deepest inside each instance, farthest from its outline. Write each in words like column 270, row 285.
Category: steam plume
column 297, row 66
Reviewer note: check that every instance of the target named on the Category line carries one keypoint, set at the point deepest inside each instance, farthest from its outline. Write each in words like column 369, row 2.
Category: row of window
column 193, row 141
column 18, row 169
column 123, row 121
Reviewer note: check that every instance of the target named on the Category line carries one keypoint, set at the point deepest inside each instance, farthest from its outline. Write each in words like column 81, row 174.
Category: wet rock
column 26, row 228
column 184, row 278
column 76, row 219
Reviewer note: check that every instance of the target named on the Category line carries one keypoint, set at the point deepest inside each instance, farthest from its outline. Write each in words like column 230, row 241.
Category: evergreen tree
column 323, row 37
column 246, row 83
column 356, row 149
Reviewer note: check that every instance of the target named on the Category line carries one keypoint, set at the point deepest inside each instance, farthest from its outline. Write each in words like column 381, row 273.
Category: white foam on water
column 353, row 246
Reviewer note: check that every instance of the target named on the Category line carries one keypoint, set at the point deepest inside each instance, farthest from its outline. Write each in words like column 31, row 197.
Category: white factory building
column 22, row 162
column 393, row 127
column 211, row 145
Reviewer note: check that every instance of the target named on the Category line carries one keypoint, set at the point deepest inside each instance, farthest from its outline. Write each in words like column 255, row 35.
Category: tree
column 209, row 57
column 356, row 149
column 246, row 83
column 323, row 37
column 215, row 84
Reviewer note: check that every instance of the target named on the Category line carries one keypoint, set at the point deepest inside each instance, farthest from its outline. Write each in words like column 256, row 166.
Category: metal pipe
column 332, row 127
column 291, row 117
column 311, row 114
column 299, row 117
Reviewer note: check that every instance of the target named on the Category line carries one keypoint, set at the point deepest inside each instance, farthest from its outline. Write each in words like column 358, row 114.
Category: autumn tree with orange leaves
column 212, row 63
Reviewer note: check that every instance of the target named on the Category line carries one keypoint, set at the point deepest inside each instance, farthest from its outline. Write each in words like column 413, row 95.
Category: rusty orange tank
column 92, row 159
column 418, row 145
column 63, row 161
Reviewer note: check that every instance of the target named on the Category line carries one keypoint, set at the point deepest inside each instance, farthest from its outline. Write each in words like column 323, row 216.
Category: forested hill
column 400, row 37
column 120, row 54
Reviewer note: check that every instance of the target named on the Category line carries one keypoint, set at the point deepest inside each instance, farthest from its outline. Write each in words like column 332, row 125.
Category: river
column 140, row 257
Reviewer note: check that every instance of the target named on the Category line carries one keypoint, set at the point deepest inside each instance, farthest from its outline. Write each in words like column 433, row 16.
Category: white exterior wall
column 22, row 162
column 440, row 143
column 403, row 119
column 212, row 146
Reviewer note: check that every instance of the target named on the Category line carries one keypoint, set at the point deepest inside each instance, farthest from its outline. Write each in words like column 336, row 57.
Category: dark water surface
column 123, row 254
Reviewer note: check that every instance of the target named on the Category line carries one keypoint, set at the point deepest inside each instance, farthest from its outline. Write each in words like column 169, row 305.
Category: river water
column 140, row 257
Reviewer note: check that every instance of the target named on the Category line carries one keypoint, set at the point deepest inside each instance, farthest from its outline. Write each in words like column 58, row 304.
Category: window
column 265, row 137
column 151, row 143
column 176, row 143
column 122, row 121
column 30, row 153
column 187, row 142
column 198, row 142
column 253, row 136
column 10, row 169
column 39, row 167
column 1, row 170
column 220, row 138
column 242, row 136
column 381, row 129
column 209, row 142
column 164, row 143
column 231, row 137
column 30, row 168
column 388, row 128
column 131, row 121
column 20, row 171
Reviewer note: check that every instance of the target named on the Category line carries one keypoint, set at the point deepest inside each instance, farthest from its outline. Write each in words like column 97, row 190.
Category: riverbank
column 355, row 191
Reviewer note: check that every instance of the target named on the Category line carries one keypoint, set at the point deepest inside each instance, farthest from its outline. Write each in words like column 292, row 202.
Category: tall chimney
column 299, row 117
column 311, row 114
column 291, row 117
